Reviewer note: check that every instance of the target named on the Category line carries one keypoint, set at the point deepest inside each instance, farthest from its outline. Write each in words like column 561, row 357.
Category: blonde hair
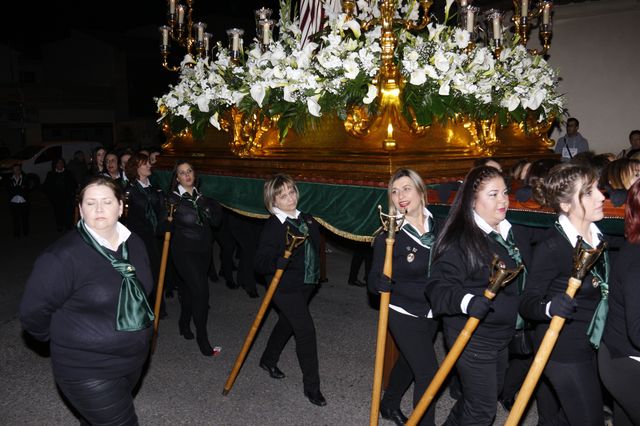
column 274, row 187
column 417, row 182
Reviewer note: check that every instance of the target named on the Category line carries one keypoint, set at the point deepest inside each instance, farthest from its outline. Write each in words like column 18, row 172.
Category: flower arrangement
column 443, row 75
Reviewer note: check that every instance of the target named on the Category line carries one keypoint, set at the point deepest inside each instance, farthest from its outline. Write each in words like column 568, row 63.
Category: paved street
column 183, row 387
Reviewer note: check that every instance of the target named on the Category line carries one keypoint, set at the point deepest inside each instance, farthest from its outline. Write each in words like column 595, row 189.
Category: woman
column 618, row 177
column 19, row 201
column 86, row 295
column 619, row 353
column 60, row 187
column 191, row 245
column 474, row 231
column 97, row 161
column 112, row 167
column 145, row 213
column 297, row 285
column 410, row 320
column 572, row 191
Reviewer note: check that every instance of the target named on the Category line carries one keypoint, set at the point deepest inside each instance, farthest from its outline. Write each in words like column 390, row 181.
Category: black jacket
column 20, row 188
column 272, row 245
column 71, row 299
column 136, row 220
column 187, row 234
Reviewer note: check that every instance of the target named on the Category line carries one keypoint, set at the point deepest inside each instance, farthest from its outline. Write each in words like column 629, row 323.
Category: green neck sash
column 201, row 215
column 515, row 255
column 427, row 239
column 311, row 263
column 133, row 313
column 149, row 212
column 600, row 272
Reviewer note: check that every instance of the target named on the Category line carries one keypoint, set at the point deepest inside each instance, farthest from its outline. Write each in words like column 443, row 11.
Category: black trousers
column 577, row 387
column 227, row 244
column 63, row 212
column 481, row 369
column 245, row 232
column 20, row 216
column 621, row 377
column 295, row 319
column 192, row 267
column 362, row 253
column 102, row 401
column 417, row 361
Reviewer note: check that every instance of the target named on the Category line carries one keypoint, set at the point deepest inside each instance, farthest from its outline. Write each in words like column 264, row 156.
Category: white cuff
column 546, row 309
column 465, row 302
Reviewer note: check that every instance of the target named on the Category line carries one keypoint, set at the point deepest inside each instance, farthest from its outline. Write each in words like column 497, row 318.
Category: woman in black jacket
column 191, row 245
column 474, row 231
column 572, row 191
column 19, row 201
column 619, row 354
column 87, row 296
column 297, row 285
column 145, row 212
column 410, row 319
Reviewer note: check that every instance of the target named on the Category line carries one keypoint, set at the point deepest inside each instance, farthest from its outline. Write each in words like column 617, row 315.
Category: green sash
column 201, row 215
column 311, row 263
column 600, row 272
column 427, row 239
column 134, row 312
column 149, row 212
column 514, row 254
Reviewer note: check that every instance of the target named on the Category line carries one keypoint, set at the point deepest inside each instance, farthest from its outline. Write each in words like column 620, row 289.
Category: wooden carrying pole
column 292, row 242
column 582, row 261
column 161, row 274
column 500, row 278
column 383, row 317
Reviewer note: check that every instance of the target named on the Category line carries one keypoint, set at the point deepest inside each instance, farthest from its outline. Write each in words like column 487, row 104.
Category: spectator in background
column 618, row 177
column 153, row 156
column 634, row 145
column 487, row 161
column 79, row 167
column 97, row 161
column 19, row 201
column 532, row 183
column 112, row 168
column 60, row 188
column 572, row 142
column 124, row 157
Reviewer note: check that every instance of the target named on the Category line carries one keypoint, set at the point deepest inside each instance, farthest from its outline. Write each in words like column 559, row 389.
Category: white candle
column 524, row 8
column 172, row 6
column 207, row 38
column 497, row 27
column 235, row 42
column 200, row 29
column 164, row 30
column 546, row 13
column 265, row 33
column 181, row 14
column 470, row 19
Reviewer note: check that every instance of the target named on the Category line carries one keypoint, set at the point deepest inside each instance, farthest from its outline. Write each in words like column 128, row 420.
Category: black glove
column 383, row 283
column 282, row 263
column 479, row 307
column 563, row 306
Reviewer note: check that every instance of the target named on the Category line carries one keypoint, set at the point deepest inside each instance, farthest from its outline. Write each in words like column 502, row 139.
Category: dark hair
column 460, row 227
column 633, row 132
column 564, row 180
column 516, row 170
column 132, row 164
column 174, row 176
column 619, row 173
column 632, row 214
column 101, row 180
column 575, row 120
column 535, row 178
column 55, row 161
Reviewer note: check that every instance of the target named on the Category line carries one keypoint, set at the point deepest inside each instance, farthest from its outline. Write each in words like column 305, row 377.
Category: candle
column 546, row 13
column 172, row 7
column 207, row 40
column 471, row 21
column 266, row 34
column 200, row 30
column 235, row 40
column 524, row 8
column 164, row 31
column 180, row 14
column 463, row 3
column 497, row 30
column 235, row 43
column 389, row 131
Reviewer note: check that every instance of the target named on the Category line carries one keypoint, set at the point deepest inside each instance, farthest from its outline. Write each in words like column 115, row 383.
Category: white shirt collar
column 181, row 190
column 123, row 235
column 572, row 233
column 503, row 226
column 427, row 215
column 282, row 216
column 146, row 185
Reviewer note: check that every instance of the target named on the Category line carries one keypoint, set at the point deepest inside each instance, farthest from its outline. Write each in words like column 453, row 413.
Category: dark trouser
column 481, row 369
column 417, row 361
column 102, row 401
column 20, row 215
column 153, row 250
column 578, row 389
column 192, row 267
column 362, row 253
column 245, row 232
column 227, row 244
column 295, row 318
column 621, row 377
column 63, row 212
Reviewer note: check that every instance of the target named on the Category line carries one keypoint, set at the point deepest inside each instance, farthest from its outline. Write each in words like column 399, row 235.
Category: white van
column 36, row 159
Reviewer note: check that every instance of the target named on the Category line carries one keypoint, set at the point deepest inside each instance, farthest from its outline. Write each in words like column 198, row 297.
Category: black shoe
column 253, row 293
column 274, row 371
column 185, row 331
column 357, row 283
column 393, row 414
column 205, row 346
column 231, row 284
column 507, row 403
column 316, row 398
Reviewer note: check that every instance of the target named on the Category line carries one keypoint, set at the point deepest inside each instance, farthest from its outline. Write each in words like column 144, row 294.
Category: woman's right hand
column 383, row 283
column 562, row 305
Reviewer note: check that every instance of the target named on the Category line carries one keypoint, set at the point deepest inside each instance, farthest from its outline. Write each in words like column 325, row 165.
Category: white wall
column 596, row 49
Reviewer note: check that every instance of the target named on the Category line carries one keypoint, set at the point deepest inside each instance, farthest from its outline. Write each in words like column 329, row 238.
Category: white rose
column 418, row 77
column 203, row 103
column 351, row 69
